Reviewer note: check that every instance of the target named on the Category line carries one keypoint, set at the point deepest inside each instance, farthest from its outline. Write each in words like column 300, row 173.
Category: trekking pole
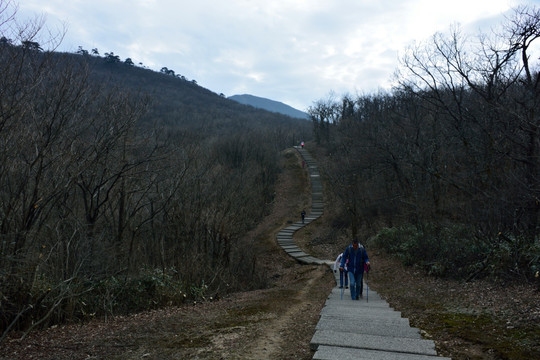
column 366, row 268
column 367, row 286
column 342, row 293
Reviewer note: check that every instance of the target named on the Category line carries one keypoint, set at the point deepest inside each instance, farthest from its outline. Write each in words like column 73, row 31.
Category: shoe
column 341, row 287
column 357, row 298
column 346, row 287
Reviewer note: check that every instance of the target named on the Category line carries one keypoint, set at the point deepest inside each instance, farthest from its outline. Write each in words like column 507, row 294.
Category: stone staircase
column 354, row 329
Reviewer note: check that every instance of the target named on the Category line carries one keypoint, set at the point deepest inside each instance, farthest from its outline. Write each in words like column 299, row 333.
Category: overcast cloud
column 294, row 51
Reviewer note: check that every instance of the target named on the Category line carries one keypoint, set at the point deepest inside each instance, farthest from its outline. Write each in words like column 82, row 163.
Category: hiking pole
column 367, row 286
column 340, row 275
column 366, row 269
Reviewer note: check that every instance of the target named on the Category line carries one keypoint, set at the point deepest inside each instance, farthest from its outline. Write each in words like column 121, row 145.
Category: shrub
column 515, row 256
column 441, row 251
column 150, row 289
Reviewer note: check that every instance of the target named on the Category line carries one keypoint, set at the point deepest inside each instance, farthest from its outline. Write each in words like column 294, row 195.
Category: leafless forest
column 444, row 170
column 122, row 188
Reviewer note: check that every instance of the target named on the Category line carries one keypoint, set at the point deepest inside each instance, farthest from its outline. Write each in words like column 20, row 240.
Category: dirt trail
column 273, row 323
column 276, row 334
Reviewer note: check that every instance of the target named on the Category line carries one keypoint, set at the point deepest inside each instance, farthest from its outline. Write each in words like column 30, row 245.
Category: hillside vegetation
column 444, row 171
column 122, row 188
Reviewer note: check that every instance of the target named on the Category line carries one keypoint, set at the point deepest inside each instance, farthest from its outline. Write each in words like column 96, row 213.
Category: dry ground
column 477, row 320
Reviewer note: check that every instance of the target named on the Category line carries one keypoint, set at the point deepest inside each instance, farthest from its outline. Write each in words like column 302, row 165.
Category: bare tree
column 490, row 96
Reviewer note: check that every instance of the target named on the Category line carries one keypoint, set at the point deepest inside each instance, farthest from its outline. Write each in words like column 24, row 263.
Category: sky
column 293, row 51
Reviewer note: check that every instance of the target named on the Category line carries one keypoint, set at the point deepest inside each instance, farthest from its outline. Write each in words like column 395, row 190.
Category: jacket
column 338, row 262
column 357, row 259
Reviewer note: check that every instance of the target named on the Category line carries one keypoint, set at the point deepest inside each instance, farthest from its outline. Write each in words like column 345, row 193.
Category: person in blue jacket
column 357, row 256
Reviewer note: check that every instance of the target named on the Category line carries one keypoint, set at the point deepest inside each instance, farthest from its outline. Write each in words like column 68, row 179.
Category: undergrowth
column 81, row 300
column 453, row 251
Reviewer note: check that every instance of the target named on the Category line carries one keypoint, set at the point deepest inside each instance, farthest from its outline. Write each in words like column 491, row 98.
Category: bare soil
column 477, row 320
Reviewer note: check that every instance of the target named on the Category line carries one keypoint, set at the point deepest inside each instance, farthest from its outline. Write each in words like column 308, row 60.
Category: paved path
column 347, row 329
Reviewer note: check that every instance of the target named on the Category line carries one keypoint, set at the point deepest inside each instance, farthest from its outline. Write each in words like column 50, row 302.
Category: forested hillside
column 444, row 170
column 122, row 188
column 178, row 102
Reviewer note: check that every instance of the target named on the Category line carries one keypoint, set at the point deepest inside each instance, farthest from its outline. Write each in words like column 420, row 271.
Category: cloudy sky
column 293, row 51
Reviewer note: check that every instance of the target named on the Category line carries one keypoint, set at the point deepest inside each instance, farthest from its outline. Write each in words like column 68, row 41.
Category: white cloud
column 294, row 51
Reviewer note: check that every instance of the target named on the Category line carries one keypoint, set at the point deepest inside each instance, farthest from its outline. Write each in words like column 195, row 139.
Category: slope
column 278, row 322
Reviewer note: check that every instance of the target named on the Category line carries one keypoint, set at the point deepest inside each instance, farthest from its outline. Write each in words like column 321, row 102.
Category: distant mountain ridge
column 270, row 105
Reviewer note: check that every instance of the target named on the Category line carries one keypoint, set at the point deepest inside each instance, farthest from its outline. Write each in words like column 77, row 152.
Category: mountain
column 270, row 105
column 181, row 105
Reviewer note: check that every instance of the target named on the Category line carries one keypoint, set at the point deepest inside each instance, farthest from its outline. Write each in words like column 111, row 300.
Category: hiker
column 303, row 214
column 302, row 144
column 356, row 256
column 342, row 273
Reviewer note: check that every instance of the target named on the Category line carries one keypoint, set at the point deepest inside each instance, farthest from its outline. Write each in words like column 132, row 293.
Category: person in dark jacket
column 357, row 256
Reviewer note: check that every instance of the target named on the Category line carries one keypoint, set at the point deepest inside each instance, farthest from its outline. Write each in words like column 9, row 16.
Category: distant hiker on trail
column 342, row 273
column 302, row 144
column 357, row 256
column 303, row 214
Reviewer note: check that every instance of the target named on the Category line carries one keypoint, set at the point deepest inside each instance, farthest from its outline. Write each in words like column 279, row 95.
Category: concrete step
column 365, row 312
column 389, row 321
column 341, row 353
column 353, row 329
column 345, row 325
column 373, row 342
